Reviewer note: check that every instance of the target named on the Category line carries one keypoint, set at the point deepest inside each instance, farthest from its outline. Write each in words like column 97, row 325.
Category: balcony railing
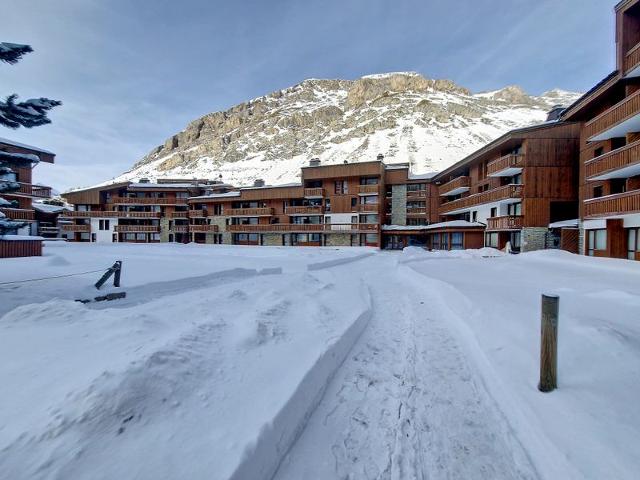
column 305, row 227
column 508, row 222
column 249, row 212
column 416, row 193
column 620, row 112
column 616, row 204
column 110, row 214
column 417, row 211
column 371, row 189
column 180, row 229
column 182, row 214
column 612, row 161
column 137, row 228
column 147, row 201
column 201, row 213
column 368, row 207
column 506, row 162
column 501, row 193
column 313, row 192
column 203, row 228
column 457, row 185
column 308, row 210
column 18, row 213
column 31, row 190
column 76, row 228
column 632, row 58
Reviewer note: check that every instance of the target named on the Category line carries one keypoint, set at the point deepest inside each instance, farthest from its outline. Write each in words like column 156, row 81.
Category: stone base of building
column 338, row 240
column 533, row 238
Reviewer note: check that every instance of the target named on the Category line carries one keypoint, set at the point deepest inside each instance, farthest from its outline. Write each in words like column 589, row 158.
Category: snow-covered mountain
column 405, row 116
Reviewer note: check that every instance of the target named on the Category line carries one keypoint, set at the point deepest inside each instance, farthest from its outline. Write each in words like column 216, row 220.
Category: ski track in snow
column 405, row 405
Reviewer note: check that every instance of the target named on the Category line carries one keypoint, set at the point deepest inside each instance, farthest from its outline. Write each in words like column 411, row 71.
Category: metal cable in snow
column 49, row 278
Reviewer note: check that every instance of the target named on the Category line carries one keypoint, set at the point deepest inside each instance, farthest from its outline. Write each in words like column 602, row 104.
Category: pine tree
column 27, row 114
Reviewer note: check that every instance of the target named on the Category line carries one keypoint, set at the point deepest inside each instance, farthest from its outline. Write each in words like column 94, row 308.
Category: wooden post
column 549, row 343
column 116, row 277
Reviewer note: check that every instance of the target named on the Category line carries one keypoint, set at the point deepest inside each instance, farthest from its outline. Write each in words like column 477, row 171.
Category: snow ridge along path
column 405, row 404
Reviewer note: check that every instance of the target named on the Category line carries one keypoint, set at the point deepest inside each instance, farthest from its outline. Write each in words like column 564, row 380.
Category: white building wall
column 103, row 236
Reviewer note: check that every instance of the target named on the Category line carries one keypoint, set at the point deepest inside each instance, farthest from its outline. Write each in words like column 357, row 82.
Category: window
column 416, row 187
column 597, row 240
column 457, row 241
column 369, row 219
column 491, row 239
column 494, row 212
column 514, row 209
column 633, row 243
column 368, row 181
column 327, row 205
column 369, row 199
column 371, row 238
column 597, row 191
column 598, row 151
column 341, row 187
column 474, row 216
column 416, row 221
column 354, row 202
column 618, row 185
column 516, row 179
column 182, row 194
column 103, row 225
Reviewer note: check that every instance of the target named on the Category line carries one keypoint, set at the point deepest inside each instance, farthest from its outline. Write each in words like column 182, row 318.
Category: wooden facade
column 609, row 165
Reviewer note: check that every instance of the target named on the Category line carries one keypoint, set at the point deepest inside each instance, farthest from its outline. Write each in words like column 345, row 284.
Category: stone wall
column 221, row 222
column 338, row 240
column 581, row 239
column 533, row 238
column 164, row 229
column 398, row 204
column 272, row 239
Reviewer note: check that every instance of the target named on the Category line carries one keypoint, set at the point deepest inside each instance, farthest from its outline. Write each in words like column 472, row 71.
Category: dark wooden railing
column 508, row 222
column 459, row 182
column 632, row 59
column 182, row 214
column 305, row 227
column 368, row 207
column 147, row 200
column 617, row 204
column 621, row 111
column 76, row 228
column 614, row 160
column 138, row 228
column 180, row 228
column 110, row 214
column 308, row 210
column 197, row 213
column 314, row 192
column 203, row 228
column 508, row 161
column 18, row 213
column 494, row 195
column 249, row 212
column 417, row 211
column 368, row 188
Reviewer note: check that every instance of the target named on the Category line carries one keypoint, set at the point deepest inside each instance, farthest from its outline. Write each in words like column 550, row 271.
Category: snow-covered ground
column 245, row 362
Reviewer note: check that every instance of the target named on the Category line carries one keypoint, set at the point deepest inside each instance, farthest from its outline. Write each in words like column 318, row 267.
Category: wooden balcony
column 76, row 228
column 147, row 201
column 305, row 227
column 30, row 190
column 454, row 187
column 506, row 166
column 313, row 192
column 617, row 204
column 421, row 194
column 605, row 166
column 368, row 189
column 417, row 211
column 197, row 213
column 180, row 229
column 309, row 210
column 203, row 228
column 368, row 207
column 18, row 213
column 614, row 117
column 508, row 222
column 137, row 228
column 632, row 59
column 249, row 212
column 497, row 194
column 183, row 214
column 110, row 214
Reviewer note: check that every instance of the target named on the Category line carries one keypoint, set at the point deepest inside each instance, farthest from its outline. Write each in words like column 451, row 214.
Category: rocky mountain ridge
column 405, row 116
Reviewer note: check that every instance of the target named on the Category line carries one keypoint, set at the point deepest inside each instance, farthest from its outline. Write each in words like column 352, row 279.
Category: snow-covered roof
column 6, row 141
column 216, row 195
column 165, row 185
column 283, row 185
column 27, row 157
column 422, row 176
column 46, row 208
column 435, row 226
column 403, row 227
column 565, row 224
column 15, row 238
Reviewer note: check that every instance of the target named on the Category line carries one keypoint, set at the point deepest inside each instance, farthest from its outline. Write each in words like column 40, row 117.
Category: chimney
column 143, row 180
column 380, row 157
column 554, row 113
column 314, row 162
column 258, row 182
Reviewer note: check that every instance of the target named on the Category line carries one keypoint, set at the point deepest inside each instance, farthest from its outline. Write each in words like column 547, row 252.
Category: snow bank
column 336, row 262
column 411, row 254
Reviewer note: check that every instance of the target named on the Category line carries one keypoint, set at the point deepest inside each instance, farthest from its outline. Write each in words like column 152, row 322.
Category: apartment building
column 334, row 205
column 511, row 190
column 17, row 204
column 138, row 212
column 609, row 177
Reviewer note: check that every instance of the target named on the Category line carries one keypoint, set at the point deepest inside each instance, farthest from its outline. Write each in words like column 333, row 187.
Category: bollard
column 549, row 343
column 116, row 276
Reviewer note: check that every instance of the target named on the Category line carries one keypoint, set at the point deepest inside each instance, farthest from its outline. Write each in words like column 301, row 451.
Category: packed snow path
column 405, row 404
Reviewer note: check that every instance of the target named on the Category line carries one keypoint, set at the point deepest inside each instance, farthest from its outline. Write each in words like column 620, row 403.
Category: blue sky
column 131, row 73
